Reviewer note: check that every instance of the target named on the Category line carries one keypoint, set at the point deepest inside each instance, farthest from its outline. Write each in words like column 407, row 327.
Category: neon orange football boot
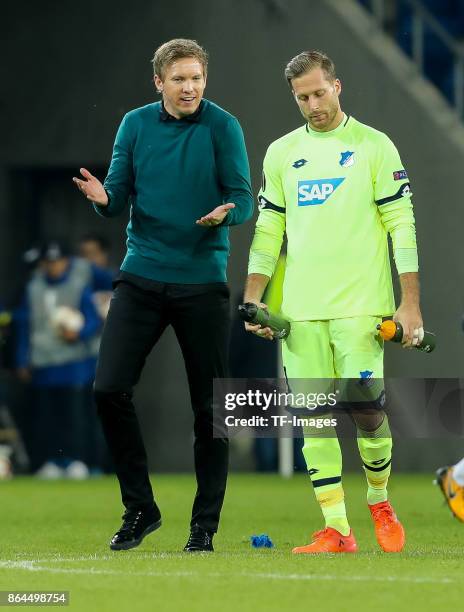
column 388, row 530
column 328, row 540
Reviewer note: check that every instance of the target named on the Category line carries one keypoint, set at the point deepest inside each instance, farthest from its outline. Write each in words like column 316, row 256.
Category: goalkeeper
column 337, row 188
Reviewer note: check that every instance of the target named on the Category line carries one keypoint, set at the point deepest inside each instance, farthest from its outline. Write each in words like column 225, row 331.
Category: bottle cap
column 387, row 329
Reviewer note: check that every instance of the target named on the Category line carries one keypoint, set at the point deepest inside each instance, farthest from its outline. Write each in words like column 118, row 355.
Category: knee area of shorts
column 369, row 406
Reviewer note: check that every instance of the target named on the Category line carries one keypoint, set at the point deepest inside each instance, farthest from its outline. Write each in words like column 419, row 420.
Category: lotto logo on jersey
column 312, row 193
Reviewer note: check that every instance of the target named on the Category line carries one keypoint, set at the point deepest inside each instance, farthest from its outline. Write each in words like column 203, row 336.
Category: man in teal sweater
column 182, row 165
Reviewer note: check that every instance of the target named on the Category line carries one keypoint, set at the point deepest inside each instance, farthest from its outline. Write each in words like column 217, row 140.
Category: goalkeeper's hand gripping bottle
column 252, row 313
column 393, row 330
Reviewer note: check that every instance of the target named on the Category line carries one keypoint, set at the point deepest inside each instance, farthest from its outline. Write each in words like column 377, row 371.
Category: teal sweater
column 172, row 172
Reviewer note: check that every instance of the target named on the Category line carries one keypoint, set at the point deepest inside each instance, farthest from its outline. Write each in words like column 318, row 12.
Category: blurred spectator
column 5, row 442
column 96, row 249
column 55, row 324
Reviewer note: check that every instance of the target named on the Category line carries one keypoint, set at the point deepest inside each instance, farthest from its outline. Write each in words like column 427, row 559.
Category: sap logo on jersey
column 311, row 193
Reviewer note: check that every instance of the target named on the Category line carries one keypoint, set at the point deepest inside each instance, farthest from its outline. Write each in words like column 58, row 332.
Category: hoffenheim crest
column 347, row 159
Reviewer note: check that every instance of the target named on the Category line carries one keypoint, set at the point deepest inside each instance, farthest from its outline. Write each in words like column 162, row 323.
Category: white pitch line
column 33, row 566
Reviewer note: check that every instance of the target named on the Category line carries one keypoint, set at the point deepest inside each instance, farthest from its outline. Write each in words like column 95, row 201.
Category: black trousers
column 137, row 317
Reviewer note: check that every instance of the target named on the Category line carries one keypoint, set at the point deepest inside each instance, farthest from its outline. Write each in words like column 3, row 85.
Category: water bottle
column 393, row 330
column 252, row 313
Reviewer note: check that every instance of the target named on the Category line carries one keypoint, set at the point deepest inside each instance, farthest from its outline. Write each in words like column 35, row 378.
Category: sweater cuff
column 103, row 211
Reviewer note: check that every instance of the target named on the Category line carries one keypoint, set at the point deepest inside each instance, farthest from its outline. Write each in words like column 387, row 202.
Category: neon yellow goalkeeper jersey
column 337, row 195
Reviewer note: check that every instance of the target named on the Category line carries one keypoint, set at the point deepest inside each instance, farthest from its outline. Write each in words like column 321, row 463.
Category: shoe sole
column 325, row 552
column 198, row 550
column 134, row 543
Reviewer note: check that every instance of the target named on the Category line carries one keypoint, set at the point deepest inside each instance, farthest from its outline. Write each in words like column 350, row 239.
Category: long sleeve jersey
column 337, row 195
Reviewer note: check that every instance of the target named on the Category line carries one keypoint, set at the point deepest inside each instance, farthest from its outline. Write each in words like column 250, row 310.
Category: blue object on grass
column 261, row 541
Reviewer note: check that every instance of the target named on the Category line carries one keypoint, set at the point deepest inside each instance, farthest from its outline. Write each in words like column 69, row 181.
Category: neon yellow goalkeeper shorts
column 336, row 348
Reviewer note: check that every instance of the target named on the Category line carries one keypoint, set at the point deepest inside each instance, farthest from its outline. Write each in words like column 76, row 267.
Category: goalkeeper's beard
column 329, row 113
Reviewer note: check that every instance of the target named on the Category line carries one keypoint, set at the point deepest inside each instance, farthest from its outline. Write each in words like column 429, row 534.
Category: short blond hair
column 175, row 49
column 307, row 61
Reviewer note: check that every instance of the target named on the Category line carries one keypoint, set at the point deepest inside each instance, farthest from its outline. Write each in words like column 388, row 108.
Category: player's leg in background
column 307, row 357
column 135, row 322
column 358, row 358
column 451, row 482
column 50, row 431
column 74, row 443
column 201, row 320
column 96, row 451
column 45, row 439
column 458, row 472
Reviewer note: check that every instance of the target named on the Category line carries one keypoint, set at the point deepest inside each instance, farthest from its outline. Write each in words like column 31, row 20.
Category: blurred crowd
column 50, row 344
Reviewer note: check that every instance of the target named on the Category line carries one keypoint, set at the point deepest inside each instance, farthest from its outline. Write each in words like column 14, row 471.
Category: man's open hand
column 216, row 216
column 91, row 188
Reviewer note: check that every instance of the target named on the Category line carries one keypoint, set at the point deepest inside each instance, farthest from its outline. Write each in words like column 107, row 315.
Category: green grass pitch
column 54, row 536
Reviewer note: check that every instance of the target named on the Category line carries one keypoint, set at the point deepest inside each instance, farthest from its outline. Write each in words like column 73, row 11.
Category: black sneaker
column 200, row 540
column 136, row 525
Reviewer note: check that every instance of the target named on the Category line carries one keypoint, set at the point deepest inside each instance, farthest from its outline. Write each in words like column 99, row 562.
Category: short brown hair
column 308, row 60
column 175, row 49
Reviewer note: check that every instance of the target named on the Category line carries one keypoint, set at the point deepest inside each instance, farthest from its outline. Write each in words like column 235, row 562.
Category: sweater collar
column 193, row 118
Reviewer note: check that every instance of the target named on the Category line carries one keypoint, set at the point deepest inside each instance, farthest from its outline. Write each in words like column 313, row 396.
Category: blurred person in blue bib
column 55, row 325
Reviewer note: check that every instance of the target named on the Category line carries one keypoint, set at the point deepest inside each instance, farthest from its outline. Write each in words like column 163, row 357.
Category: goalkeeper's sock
column 375, row 448
column 332, row 503
column 324, row 462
